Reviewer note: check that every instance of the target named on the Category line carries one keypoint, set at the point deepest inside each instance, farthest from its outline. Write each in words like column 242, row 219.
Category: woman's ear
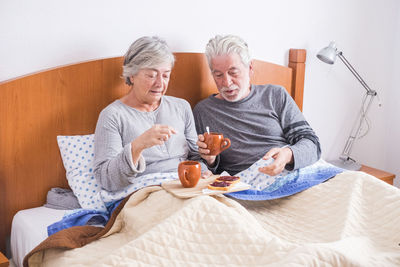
column 131, row 80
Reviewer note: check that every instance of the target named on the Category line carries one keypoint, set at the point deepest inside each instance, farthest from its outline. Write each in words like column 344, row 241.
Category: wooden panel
column 297, row 59
column 277, row 74
column 33, row 111
column 66, row 101
column 191, row 78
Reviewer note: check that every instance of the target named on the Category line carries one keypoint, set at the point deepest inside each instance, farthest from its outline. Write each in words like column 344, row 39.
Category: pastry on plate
column 220, row 185
column 229, row 179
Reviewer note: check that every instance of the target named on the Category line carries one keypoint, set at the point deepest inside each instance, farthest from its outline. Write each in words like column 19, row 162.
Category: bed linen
column 29, row 228
column 262, row 187
column 350, row 220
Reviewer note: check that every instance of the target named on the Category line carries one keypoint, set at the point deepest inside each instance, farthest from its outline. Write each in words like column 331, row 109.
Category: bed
column 29, row 228
column 351, row 219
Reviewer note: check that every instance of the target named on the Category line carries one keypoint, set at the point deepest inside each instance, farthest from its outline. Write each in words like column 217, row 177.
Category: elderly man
column 261, row 120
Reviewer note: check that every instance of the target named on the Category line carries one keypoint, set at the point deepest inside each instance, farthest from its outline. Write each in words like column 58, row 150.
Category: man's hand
column 204, row 151
column 281, row 156
column 206, row 174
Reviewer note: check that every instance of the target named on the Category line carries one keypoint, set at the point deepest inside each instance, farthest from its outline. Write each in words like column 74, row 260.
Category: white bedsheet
column 29, row 228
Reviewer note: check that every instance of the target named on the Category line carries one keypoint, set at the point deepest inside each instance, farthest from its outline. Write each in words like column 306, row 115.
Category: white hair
column 146, row 52
column 228, row 44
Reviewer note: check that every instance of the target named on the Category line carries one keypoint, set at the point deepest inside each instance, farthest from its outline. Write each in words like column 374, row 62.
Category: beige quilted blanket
column 350, row 220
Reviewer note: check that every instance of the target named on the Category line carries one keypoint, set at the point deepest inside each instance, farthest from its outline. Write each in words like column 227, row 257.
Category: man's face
column 231, row 76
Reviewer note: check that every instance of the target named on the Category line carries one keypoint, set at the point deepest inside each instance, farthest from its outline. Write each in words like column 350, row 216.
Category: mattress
column 29, row 228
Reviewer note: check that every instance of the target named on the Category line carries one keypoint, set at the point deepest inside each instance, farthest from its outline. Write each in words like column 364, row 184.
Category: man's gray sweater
column 268, row 117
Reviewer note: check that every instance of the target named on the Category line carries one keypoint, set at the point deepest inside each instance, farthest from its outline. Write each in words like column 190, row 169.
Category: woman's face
column 150, row 84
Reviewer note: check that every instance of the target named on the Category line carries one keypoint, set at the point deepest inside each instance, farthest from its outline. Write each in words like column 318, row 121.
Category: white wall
column 392, row 122
column 35, row 35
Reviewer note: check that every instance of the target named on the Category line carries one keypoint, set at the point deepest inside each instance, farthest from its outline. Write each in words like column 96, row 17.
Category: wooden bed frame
column 67, row 100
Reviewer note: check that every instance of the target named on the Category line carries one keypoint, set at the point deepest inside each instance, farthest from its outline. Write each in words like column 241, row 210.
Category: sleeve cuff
column 141, row 166
column 215, row 167
column 290, row 166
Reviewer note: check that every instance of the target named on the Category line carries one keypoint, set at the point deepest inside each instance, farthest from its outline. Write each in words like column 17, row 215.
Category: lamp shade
column 328, row 54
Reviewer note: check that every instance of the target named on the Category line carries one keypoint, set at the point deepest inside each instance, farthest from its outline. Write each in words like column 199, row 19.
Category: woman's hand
column 156, row 135
column 204, row 151
column 281, row 156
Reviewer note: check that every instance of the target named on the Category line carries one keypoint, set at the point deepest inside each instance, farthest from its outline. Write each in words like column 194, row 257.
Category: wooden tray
column 175, row 187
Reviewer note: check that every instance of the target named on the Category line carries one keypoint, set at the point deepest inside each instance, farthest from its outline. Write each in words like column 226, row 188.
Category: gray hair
column 146, row 52
column 227, row 44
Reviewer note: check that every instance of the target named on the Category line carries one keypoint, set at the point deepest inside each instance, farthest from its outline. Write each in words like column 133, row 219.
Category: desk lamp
column 328, row 55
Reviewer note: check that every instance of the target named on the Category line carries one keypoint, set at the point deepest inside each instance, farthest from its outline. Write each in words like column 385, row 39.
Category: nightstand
column 3, row 260
column 384, row 176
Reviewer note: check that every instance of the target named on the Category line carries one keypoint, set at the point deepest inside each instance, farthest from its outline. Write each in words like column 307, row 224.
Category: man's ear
column 251, row 69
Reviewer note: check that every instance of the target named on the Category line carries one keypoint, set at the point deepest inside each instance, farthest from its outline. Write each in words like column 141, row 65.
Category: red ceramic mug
column 189, row 173
column 216, row 143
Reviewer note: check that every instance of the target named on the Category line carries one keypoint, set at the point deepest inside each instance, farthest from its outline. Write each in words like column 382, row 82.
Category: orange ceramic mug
column 216, row 143
column 189, row 173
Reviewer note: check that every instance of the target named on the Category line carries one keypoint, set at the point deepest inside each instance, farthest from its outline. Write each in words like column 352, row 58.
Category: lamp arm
column 355, row 73
column 355, row 132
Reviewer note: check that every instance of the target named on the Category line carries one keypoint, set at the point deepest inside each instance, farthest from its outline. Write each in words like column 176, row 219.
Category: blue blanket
column 79, row 217
column 265, row 187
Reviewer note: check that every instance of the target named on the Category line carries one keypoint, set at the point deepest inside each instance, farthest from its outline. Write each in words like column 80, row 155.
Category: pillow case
column 77, row 153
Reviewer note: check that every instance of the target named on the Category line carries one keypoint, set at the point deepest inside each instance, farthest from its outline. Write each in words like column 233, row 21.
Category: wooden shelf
column 383, row 175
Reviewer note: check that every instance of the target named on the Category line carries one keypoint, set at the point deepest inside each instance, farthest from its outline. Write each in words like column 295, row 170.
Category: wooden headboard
column 67, row 101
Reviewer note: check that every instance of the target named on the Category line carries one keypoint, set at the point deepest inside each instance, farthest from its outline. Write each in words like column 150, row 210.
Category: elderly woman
column 144, row 131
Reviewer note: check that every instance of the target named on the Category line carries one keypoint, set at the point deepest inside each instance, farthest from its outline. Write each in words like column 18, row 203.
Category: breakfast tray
column 175, row 187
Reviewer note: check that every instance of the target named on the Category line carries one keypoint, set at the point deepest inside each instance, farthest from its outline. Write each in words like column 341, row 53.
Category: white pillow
column 77, row 153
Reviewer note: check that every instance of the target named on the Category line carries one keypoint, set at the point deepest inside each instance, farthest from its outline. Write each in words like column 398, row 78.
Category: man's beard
column 238, row 96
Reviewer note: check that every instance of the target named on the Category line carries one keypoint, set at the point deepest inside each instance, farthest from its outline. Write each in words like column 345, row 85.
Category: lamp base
column 347, row 164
